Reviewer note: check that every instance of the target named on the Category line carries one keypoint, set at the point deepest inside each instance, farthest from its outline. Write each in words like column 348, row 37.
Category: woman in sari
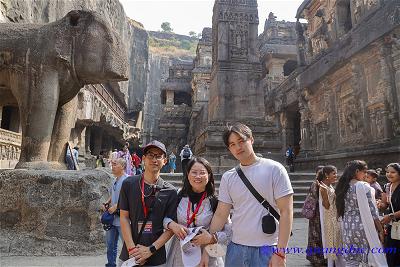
column 362, row 229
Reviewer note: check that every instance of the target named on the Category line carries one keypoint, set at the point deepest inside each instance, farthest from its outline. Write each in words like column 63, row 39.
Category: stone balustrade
column 10, row 148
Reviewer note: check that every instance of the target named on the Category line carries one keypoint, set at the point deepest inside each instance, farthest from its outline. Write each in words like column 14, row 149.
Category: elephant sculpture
column 42, row 69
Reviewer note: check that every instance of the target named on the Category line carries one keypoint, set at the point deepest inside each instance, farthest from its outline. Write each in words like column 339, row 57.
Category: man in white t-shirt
column 250, row 246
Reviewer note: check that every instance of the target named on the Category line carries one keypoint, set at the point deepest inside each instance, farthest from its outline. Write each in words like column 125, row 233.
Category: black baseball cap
column 156, row 144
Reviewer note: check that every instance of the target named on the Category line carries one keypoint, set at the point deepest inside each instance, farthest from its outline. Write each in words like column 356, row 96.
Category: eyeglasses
column 155, row 156
column 201, row 174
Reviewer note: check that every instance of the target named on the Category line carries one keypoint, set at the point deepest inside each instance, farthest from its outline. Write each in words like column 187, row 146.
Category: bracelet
column 280, row 255
column 130, row 250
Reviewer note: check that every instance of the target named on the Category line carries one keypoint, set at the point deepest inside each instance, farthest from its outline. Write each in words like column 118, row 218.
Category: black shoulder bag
column 268, row 221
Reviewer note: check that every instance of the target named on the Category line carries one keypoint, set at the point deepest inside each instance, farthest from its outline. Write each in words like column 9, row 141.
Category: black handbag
column 268, row 221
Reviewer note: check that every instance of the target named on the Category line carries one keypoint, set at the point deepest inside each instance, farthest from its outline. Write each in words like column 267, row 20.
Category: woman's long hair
column 344, row 183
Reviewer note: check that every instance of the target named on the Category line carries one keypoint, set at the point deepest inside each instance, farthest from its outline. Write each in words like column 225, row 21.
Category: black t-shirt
column 164, row 201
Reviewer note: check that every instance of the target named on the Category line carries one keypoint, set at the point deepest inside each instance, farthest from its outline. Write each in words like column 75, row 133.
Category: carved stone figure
column 43, row 67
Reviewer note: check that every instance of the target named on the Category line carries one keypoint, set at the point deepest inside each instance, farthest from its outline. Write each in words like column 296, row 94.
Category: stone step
column 302, row 182
column 301, row 189
column 298, row 204
column 299, row 196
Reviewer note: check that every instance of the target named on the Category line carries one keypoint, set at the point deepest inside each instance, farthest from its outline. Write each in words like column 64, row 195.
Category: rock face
column 139, row 56
column 51, row 213
column 158, row 72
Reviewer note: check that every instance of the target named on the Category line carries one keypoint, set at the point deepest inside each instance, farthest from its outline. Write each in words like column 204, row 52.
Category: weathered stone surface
column 138, row 60
column 158, row 72
column 200, row 88
column 51, row 212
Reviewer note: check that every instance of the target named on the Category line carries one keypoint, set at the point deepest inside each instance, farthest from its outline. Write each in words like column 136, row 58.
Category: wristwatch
column 153, row 249
column 392, row 217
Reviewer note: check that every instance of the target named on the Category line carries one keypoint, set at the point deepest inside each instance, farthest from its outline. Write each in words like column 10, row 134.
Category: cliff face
column 158, row 72
column 139, row 57
column 131, row 33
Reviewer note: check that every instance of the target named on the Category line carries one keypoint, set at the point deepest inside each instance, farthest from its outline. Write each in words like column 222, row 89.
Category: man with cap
column 145, row 200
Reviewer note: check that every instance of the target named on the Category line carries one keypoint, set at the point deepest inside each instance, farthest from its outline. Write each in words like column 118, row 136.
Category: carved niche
column 349, row 119
column 239, row 38
column 239, row 24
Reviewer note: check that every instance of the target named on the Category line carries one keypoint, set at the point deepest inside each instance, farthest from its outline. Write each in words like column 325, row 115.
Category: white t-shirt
column 271, row 180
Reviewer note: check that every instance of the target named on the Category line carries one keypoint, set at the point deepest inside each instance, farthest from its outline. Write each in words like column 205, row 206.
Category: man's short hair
column 239, row 128
column 121, row 161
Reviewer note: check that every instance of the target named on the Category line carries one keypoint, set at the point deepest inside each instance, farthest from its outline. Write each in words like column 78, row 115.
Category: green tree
column 185, row 44
column 166, row 27
column 192, row 34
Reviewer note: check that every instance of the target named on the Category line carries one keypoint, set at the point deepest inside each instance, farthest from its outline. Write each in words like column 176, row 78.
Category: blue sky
column 194, row 15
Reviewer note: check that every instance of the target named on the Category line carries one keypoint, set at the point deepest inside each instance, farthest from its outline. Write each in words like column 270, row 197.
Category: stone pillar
column 284, row 125
column 373, row 129
column 387, row 125
column 324, row 136
column 1, row 114
column 305, row 132
column 169, row 98
column 81, row 142
column 107, row 144
column 98, row 141
column 87, row 140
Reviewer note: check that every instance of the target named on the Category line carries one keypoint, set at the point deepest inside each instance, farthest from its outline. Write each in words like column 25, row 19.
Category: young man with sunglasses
column 145, row 200
column 250, row 245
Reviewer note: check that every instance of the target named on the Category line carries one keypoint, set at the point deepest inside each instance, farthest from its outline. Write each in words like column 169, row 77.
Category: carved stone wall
column 348, row 91
column 10, row 148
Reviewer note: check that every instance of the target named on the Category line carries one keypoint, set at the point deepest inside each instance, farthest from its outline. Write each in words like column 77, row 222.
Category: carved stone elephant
column 43, row 67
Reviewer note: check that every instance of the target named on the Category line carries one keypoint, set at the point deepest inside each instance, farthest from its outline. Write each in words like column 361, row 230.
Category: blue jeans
column 240, row 255
column 112, row 237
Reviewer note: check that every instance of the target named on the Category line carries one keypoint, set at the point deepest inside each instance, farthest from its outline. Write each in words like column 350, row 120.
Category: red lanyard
column 145, row 209
column 191, row 219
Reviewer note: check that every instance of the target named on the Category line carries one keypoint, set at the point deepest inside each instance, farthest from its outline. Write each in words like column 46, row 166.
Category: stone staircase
column 301, row 182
